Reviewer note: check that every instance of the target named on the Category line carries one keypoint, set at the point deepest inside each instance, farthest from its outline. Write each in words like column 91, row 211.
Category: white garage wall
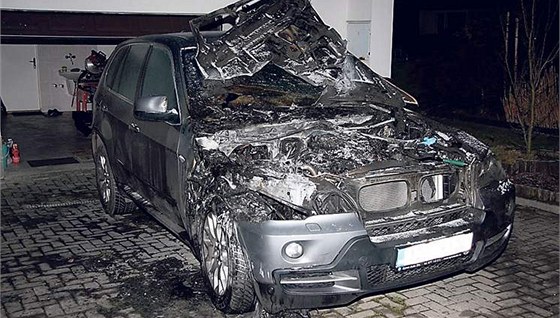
column 359, row 10
column 333, row 13
column 379, row 13
column 382, row 36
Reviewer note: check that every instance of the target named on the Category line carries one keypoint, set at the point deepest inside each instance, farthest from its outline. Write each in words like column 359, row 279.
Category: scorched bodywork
column 299, row 177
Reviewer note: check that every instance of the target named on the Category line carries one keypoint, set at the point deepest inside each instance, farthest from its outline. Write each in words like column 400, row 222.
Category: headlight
column 490, row 171
column 491, row 186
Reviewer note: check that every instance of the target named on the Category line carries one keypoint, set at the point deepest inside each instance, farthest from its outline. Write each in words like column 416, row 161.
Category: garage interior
column 42, row 102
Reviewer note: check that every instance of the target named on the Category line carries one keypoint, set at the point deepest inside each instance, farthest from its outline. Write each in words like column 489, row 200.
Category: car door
column 114, row 104
column 155, row 143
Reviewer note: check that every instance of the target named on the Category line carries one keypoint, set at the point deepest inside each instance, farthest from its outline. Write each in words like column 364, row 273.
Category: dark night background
column 448, row 54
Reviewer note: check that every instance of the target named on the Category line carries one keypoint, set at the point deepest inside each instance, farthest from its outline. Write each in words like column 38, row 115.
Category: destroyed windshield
column 270, row 39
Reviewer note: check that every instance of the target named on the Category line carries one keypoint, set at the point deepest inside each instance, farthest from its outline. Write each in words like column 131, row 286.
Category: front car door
column 155, row 143
column 114, row 104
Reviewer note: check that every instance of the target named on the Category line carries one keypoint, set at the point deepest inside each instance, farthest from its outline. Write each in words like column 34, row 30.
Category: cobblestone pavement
column 63, row 257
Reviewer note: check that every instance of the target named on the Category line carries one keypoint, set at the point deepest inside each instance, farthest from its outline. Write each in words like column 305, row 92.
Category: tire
column 225, row 267
column 113, row 199
column 82, row 122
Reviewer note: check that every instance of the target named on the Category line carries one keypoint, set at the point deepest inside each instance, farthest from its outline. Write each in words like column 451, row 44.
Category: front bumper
column 344, row 259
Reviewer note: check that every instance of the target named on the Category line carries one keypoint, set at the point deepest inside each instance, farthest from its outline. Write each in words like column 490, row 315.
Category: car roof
column 174, row 41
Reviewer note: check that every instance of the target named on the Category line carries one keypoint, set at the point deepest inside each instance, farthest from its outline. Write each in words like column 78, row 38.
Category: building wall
column 379, row 13
column 382, row 36
column 333, row 13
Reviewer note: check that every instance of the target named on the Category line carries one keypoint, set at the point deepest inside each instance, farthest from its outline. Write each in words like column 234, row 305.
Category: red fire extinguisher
column 15, row 154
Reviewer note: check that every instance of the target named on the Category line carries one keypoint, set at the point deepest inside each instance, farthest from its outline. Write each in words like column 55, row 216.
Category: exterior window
column 158, row 78
column 127, row 79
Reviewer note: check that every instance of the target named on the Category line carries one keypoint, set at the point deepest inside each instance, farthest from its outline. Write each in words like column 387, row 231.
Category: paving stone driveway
column 63, row 257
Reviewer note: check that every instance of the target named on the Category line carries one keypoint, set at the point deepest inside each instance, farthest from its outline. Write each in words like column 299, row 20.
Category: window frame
column 111, row 63
column 173, row 74
column 140, row 80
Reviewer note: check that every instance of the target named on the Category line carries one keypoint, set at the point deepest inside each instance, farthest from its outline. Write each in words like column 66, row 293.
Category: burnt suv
column 298, row 176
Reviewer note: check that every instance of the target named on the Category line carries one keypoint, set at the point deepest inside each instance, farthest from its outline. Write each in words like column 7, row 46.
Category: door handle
column 134, row 127
column 34, row 62
column 102, row 106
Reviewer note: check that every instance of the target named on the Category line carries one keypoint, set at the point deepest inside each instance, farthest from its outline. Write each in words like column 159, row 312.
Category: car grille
column 411, row 224
column 437, row 187
column 383, row 196
column 385, row 274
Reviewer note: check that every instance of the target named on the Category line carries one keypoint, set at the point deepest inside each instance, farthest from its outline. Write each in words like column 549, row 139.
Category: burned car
column 298, row 176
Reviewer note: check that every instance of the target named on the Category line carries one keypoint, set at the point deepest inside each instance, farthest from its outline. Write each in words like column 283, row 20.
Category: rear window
column 126, row 77
column 115, row 67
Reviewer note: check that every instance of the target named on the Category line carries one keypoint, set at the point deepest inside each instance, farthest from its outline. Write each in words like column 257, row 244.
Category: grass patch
column 508, row 155
column 500, row 136
column 508, row 144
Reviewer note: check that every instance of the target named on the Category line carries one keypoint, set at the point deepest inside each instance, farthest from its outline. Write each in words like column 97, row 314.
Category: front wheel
column 225, row 266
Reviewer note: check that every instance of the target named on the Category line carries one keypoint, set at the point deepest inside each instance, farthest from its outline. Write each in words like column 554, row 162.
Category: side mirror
column 154, row 108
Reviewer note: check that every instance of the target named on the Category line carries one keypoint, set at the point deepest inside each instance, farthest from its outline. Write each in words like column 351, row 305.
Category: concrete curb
column 537, row 194
column 538, row 205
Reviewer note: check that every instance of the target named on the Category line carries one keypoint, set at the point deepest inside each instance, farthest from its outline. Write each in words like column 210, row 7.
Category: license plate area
column 433, row 251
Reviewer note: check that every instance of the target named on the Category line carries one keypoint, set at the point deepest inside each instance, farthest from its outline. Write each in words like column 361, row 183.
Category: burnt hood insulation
column 291, row 35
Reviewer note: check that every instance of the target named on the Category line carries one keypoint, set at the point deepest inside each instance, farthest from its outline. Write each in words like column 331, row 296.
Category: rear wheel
column 113, row 200
column 82, row 121
column 225, row 266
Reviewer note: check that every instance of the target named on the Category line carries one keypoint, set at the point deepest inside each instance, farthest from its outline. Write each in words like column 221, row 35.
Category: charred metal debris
column 290, row 123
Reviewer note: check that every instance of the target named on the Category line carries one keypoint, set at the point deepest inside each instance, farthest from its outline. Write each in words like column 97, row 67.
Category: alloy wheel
column 215, row 253
column 104, row 179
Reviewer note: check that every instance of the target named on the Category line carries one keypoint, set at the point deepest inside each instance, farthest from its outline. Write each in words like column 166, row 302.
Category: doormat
column 32, row 113
column 52, row 162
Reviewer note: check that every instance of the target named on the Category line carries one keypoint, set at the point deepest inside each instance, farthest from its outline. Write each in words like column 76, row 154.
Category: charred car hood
column 290, row 35
column 292, row 160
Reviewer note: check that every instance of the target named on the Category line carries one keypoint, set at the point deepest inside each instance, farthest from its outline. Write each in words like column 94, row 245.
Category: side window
column 115, row 68
column 158, row 78
column 127, row 78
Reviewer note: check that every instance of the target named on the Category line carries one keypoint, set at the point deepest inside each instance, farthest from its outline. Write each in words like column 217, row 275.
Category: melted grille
column 412, row 224
column 383, row 196
column 437, row 187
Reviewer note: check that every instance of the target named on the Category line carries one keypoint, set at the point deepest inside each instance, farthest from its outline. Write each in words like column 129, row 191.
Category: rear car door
column 155, row 143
